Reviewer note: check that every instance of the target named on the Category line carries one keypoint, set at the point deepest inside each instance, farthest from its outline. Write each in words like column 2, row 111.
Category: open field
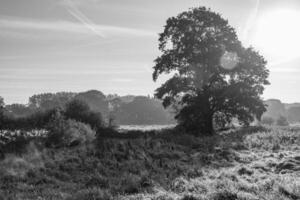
column 246, row 164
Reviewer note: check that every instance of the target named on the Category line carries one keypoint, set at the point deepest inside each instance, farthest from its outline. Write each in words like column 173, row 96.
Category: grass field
column 246, row 164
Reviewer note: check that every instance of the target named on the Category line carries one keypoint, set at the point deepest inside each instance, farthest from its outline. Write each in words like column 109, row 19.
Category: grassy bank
column 246, row 164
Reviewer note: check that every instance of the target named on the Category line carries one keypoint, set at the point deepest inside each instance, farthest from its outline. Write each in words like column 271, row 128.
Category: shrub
column 282, row 121
column 18, row 166
column 69, row 132
column 130, row 184
column 267, row 120
column 77, row 132
column 17, row 144
column 36, row 120
column 56, row 128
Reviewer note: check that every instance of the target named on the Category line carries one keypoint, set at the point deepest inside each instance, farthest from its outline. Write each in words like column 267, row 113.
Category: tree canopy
column 48, row 101
column 212, row 73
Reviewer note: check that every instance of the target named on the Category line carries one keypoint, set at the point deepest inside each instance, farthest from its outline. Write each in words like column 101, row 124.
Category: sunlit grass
column 244, row 164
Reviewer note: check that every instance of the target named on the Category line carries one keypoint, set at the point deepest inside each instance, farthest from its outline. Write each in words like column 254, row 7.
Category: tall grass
column 245, row 164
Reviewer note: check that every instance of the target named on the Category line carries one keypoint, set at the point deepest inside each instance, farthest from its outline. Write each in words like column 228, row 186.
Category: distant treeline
column 276, row 109
column 120, row 110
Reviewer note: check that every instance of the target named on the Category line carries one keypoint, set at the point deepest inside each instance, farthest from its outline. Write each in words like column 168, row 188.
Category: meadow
column 237, row 164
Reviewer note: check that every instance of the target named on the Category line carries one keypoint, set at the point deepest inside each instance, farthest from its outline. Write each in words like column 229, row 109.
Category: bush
column 56, row 128
column 80, row 111
column 130, row 184
column 37, row 120
column 282, row 121
column 17, row 144
column 69, row 132
column 77, row 132
column 267, row 120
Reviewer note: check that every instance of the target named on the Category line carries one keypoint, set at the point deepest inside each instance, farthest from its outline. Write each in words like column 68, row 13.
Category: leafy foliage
column 1, row 103
column 95, row 99
column 47, row 101
column 80, row 111
column 37, row 120
column 19, row 110
column 68, row 132
column 212, row 71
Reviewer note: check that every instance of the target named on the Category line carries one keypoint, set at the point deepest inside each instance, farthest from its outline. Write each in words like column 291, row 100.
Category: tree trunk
column 209, row 128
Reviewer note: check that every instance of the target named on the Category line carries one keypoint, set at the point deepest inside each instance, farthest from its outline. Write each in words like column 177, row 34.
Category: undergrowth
column 245, row 164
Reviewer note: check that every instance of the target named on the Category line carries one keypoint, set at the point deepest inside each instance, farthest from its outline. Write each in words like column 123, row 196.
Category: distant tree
column 1, row 112
column 19, row 110
column 293, row 114
column 142, row 111
column 76, row 109
column 267, row 120
column 111, row 96
column 212, row 71
column 282, row 121
column 1, row 103
column 275, row 108
column 80, row 111
column 1, row 106
column 96, row 100
column 48, row 101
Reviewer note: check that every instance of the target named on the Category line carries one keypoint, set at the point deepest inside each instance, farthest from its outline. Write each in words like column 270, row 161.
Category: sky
column 110, row 45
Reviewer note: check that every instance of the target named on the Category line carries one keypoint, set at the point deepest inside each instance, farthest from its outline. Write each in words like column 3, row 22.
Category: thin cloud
column 122, row 80
column 70, row 27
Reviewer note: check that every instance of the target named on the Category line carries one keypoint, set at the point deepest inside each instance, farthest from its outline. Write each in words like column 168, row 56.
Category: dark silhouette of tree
column 48, row 101
column 80, row 111
column 212, row 71
column 1, row 103
column 96, row 100
column 1, row 112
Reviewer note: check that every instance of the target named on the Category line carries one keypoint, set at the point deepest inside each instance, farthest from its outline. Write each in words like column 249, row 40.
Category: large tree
column 213, row 75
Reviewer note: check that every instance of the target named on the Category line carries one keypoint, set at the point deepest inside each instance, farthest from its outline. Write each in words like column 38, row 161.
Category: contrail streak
column 250, row 21
column 75, row 12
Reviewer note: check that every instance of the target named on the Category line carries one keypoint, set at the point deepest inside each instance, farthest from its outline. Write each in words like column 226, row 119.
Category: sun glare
column 277, row 35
